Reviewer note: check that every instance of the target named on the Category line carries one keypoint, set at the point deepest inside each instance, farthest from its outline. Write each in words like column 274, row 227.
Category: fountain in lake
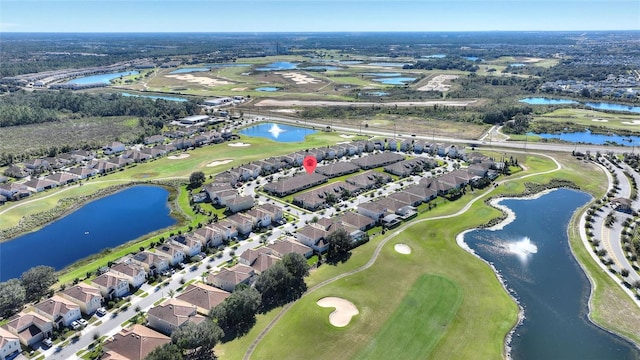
column 522, row 249
column 275, row 130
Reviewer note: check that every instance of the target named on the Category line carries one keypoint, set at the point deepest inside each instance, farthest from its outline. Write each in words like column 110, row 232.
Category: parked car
column 75, row 325
column 47, row 342
column 83, row 322
column 101, row 311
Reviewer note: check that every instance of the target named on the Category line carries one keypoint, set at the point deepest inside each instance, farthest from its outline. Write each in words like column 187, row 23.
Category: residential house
column 275, row 211
column 243, row 223
column 210, row 236
column 172, row 314
column 113, row 148
column 190, row 244
column 228, row 278
column 259, row 259
column 39, row 185
column 294, row 184
column 13, row 190
column 226, row 228
column 313, row 237
column 337, row 169
column 378, row 160
column 136, row 155
column 134, row 273
column 37, row 166
column 356, row 220
column 173, row 252
column 261, row 218
column 222, row 197
column 133, row 343
column 240, row 203
column 372, row 210
column 112, row 285
column 368, row 180
column 87, row 297
column 60, row 311
column 9, row 344
column 203, row 297
column 392, row 144
column 83, row 155
column 30, row 328
column 406, row 198
column 151, row 262
column 425, row 194
column 154, row 139
column 83, row 172
column 282, row 247
column 62, row 178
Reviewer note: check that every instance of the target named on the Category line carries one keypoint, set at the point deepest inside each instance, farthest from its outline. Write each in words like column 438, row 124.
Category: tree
column 274, row 285
column 197, row 341
column 168, row 351
column 12, row 297
column 37, row 281
column 237, row 313
column 624, row 272
column 339, row 246
column 196, row 179
column 296, row 264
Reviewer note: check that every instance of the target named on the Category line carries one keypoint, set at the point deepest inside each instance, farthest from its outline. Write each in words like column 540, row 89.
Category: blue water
column 436, row 56
column 390, row 64
column 102, row 78
column 376, row 93
column 190, row 70
column 383, row 74
column 350, row 62
column 593, row 105
column 517, row 64
column 546, row 101
column 278, row 132
column 472, row 58
column 223, row 65
column 170, row 98
column 588, row 138
column 396, row 80
column 100, row 224
column 549, row 283
column 278, row 65
column 267, row 89
column 322, row 67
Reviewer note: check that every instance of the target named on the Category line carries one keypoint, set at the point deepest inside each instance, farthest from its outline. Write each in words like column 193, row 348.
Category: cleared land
column 286, row 103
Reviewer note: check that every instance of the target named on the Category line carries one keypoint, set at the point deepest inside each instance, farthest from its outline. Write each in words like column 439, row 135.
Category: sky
column 316, row 16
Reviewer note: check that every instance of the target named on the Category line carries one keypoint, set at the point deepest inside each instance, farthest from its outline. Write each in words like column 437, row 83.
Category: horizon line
column 314, row 32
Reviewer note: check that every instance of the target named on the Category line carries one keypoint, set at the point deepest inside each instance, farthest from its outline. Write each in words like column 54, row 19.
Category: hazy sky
column 315, row 15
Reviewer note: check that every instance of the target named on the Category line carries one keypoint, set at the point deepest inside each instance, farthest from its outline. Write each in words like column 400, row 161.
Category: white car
column 47, row 342
column 76, row 325
column 83, row 322
column 101, row 311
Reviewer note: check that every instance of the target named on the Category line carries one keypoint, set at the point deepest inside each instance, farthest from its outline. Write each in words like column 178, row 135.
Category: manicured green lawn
column 433, row 295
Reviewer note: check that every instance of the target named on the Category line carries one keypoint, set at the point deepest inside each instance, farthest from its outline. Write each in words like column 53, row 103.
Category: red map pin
column 310, row 163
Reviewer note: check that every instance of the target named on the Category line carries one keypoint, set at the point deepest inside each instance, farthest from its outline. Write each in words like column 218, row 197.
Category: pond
column 593, row 105
column 389, row 64
column 588, row 138
column 517, row 64
column 190, row 70
column 435, row 56
column 395, row 80
column 533, row 256
column 223, row 65
column 278, row 65
column 155, row 97
column 98, row 225
column 376, row 93
column 382, row 74
column 322, row 68
column 278, row 132
column 101, row 78
column 472, row 58
column 267, row 89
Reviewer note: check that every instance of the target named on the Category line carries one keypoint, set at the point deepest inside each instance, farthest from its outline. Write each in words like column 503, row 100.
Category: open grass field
column 591, row 118
column 72, row 132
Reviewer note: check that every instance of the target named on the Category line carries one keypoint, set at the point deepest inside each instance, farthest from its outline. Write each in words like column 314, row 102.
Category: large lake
column 102, row 78
column 100, row 224
column 590, row 138
column 278, row 132
column 532, row 253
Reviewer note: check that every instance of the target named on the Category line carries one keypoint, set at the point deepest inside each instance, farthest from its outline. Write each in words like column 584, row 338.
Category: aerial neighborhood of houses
column 382, row 182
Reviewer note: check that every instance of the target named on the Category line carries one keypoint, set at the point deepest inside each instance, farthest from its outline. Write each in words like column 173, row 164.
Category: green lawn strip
column 234, row 350
column 610, row 306
column 433, row 295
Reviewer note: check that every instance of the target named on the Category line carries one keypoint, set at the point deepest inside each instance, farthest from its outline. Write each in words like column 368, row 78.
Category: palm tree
column 171, row 293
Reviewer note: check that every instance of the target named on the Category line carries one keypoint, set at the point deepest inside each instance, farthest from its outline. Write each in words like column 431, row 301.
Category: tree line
column 31, row 286
column 444, row 64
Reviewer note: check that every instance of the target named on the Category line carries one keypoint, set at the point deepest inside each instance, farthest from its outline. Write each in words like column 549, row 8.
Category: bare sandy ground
column 288, row 103
column 346, row 136
column 344, row 310
column 437, row 83
column 202, row 80
column 178, row 157
column 602, row 120
column 634, row 122
column 239, row 89
column 239, row 144
column 300, row 79
column 286, row 111
column 219, row 162
column 402, row 249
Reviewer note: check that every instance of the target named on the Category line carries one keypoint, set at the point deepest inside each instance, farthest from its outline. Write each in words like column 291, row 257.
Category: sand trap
column 239, row 144
column 199, row 80
column 178, row 157
column 634, row 122
column 219, row 162
column 402, row 249
column 343, row 313
column 601, row 120
column 239, row 89
column 346, row 136
column 300, row 79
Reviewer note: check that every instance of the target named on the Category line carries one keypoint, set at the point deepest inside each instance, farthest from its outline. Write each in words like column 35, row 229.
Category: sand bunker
column 437, row 83
column 634, row 122
column 346, row 136
column 239, row 89
column 199, row 79
column 219, row 162
column 239, row 144
column 178, row 157
column 300, row 79
column 343, row 313
column 601, row 120
column 402, row 249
